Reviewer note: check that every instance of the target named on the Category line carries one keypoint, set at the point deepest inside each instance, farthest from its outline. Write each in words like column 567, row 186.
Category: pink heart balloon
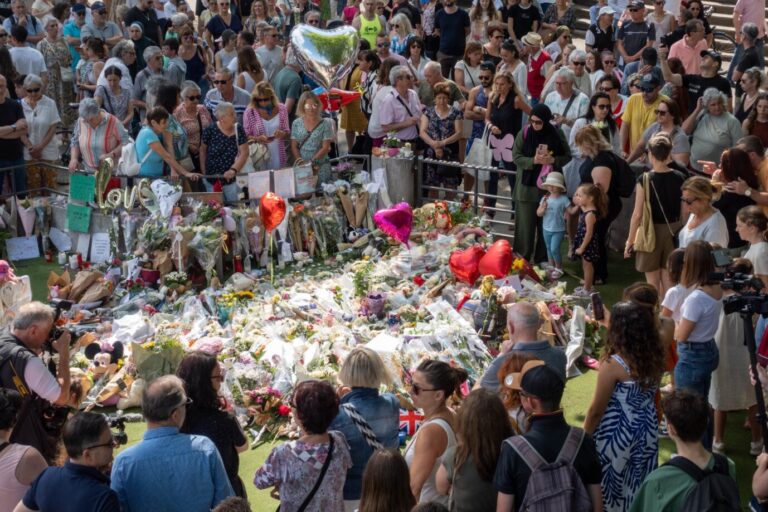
column 396, row 221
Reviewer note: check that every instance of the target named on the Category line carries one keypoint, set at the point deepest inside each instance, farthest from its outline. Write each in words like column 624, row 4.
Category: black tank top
column 195, row 67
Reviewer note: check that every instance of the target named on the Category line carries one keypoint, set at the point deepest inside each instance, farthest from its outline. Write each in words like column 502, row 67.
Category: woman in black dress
column 206, row 415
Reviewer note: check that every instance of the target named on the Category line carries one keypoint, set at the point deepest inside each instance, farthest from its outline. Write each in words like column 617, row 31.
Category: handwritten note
column 60, row 239
column 78, row 218
column 82, row 187
column 100, row 248
column 22, row 248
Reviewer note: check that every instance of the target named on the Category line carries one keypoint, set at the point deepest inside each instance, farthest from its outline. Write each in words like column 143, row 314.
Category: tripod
column 746, row 313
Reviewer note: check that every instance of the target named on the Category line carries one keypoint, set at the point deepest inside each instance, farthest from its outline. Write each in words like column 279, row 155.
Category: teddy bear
column 105, row 360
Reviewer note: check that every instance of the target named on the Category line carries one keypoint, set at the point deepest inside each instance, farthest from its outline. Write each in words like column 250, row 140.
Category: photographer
column 22, row 369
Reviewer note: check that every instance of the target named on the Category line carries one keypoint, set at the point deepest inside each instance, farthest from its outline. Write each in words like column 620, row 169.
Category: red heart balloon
column 464, row 264
column 497, row 260
column 271, row 210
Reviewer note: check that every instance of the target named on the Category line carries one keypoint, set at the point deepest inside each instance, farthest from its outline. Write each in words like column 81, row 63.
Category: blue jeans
column 19, row 175
column 553, row 240
column 696, row 362
column 231, row 192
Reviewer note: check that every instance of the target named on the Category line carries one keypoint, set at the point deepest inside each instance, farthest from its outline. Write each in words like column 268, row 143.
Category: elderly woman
column 266, row 121
column 123, row 58
column 294, row 467
column 223, row 151
column 714, row 129
column 97, row 135
column 150, row 151
column 664, row 198
column 114, row 98
column 440, row 128
column 41, row 146
column 705, row 222
column 667, row 121
column 541, row 143
column 311, row 136
column 194, row 118
column 361, row 376
column 57, row 56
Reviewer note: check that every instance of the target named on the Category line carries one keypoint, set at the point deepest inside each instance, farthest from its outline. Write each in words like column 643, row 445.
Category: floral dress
column 310, row 143
column 627, row 441
column 56, row 55
column 440, row 128
column 295, row 467
column 592, row 252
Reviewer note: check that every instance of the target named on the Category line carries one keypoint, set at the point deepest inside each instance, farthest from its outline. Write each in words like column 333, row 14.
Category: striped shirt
column 240, row 100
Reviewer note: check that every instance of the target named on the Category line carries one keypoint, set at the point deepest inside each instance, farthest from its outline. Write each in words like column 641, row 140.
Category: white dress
column 429, row 490
column 730, row 389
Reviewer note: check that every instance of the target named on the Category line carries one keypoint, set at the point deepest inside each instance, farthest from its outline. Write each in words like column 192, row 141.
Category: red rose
column 283, row 410
column 418, row 280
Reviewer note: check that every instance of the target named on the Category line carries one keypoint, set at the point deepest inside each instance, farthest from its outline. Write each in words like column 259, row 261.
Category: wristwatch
column 748, row 192
column 13, row 127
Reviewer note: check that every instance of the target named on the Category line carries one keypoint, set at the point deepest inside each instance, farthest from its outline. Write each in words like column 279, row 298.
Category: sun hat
column 554, row 179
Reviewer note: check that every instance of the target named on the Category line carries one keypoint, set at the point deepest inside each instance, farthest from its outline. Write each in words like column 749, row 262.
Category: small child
column 593, row 204
column 552, row 208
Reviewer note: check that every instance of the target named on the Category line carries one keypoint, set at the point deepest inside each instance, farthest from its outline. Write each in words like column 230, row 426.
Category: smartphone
column 543, row 148
column 598, row 311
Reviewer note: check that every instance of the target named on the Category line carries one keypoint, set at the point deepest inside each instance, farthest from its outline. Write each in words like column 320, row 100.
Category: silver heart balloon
column 325, row 55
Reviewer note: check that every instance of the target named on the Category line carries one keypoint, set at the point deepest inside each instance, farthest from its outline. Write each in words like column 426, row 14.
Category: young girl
column 593, row 204
column 228, row 51
column 552, row 209
column 670, row 307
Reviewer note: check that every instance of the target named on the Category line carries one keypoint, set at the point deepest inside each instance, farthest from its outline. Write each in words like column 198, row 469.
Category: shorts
column 656, row 259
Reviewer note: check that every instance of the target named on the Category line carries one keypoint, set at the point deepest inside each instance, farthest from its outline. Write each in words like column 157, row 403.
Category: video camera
column 731, row 279
column 117, row 421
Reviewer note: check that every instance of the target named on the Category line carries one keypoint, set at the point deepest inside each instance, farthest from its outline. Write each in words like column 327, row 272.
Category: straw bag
column 645, row 239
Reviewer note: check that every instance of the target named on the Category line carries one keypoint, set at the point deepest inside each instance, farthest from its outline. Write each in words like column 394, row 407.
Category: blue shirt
column 554, row 219
column 72, row 30
column 169, row 472
column 74, row 488
column 382, row 412
column 153, row 166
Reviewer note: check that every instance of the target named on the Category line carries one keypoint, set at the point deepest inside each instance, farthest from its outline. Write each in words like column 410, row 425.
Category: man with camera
column 22, row 369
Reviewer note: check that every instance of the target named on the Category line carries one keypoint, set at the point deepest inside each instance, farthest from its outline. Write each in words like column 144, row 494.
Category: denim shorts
column 696, row 362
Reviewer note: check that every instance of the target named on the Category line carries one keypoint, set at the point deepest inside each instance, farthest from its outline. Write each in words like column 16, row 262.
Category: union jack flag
column 410, row 421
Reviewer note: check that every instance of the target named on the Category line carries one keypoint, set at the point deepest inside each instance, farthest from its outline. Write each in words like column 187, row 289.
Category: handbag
column 320, row 478
column 645, row 239
column 480, row 155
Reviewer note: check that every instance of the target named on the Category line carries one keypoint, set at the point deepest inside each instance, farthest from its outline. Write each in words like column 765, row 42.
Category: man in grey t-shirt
column 523, row 322
column 270, row 55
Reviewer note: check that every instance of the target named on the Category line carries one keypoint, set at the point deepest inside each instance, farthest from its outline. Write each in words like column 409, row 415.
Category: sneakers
column 555, row 273
column 582, row 292
column 718, row 447
column 755, row 447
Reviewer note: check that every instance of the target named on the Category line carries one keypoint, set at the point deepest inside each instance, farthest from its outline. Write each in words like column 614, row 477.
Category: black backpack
column 624, row 176
column 715, row 490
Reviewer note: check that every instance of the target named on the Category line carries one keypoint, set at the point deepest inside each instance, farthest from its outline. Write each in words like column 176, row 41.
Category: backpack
column 624, row 177
column 129, row 164
column 553, row 485
column 715, row 490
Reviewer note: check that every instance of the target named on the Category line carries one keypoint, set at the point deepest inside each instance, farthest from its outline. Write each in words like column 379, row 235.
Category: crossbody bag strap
column 661, row 207
column 362, row 425
column 320, row 478
column 400, row 99
column 109, row 100
column 466, row 70
column 568, row 106
column 310, row 134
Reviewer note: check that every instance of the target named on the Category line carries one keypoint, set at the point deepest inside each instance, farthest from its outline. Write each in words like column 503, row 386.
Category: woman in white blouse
column 705, row 222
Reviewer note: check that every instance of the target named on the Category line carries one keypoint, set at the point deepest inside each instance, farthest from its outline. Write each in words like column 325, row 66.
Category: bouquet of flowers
column 206, row 245
column 267, row 409
column 207, row 213
column 157, row 357
column 153, row 235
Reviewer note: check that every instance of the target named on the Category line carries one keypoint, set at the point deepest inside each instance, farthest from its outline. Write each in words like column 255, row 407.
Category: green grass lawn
column 578, row 393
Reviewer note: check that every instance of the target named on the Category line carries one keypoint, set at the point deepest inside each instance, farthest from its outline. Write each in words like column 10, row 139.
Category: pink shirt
column 396, row 109
column 752, row 11
column 689, row 56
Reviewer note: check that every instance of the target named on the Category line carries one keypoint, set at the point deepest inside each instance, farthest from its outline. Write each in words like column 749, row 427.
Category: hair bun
column 460, row 375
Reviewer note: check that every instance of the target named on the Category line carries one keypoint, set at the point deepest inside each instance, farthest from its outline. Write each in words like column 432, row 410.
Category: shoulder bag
column 480, row 154
column 320, row 478
column 248, row 166
column 645, row 239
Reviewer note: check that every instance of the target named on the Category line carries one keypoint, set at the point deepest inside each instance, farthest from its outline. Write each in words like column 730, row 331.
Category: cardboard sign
column 258, row 184
column 78, row 218
column 83, row 243
column 22, row 248
column 82, row 187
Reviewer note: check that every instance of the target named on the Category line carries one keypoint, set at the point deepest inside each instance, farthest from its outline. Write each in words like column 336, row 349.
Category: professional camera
column 731, row 279
column 59, row 305
column 117, row 422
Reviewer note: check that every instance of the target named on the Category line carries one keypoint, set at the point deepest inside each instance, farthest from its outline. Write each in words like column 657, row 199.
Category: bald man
column 523, row 323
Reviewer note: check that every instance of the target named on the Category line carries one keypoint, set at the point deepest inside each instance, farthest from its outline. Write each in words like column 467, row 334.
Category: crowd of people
column 644, row 108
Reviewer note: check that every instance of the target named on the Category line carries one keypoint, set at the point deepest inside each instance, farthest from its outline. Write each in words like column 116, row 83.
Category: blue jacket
column 382, row 412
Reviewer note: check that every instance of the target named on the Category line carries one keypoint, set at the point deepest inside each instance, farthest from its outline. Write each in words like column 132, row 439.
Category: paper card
column 285, row 185
column 83, row 243
column 78, row 218
column 133, row 268
column 22, row 248
column 82, row 187
column 100, row 248
column 60, row 239
column 258, row 184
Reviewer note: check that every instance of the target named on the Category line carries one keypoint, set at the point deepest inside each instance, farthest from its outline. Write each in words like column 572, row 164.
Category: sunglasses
column 633, row 10
column 3, row 35
column 263, row 100
column 603, row 106
column 606, row 89
column 99, row 12
column 220, row 82
column 607, row 62
column 313, row 22
column 194, row 97
column 32, row 91
column 661, row 112
column 382, row 45
column 485, row 78
column 579, row 63
column 418, row 389
column 689, row 202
